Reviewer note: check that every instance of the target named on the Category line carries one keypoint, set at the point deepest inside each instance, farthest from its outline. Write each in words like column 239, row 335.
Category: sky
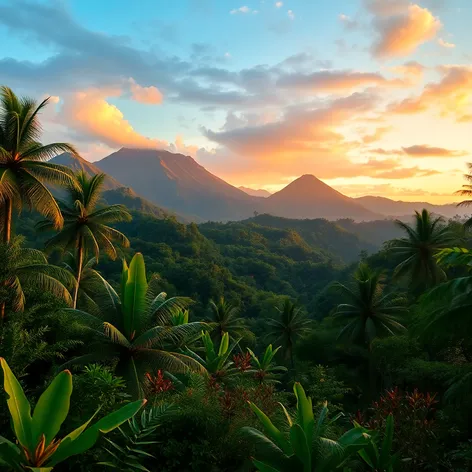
column 371, row 96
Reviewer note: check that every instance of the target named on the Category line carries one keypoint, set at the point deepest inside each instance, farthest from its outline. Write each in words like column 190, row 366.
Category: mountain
column 256, row 193
column 78, row 163
column 402, row 209
column 131, row 200
column 177, row 182
column 309, row 197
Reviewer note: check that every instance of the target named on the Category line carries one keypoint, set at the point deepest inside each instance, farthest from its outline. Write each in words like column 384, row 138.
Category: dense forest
column 135, row 342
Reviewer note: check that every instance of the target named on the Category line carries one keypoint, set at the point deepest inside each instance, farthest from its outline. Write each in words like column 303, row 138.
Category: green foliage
column 304, row 448
column 266, row 371
column 369, row 312
column 36, row 434
column 130, row 453
column 134, row 328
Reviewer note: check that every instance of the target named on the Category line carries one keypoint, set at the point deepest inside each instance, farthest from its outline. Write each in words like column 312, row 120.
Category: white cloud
column 279, row 4
column 243, row 9
column 291, row 15
column 446, row 44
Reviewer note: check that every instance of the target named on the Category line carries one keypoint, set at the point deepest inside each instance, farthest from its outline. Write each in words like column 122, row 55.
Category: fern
column 130, row 453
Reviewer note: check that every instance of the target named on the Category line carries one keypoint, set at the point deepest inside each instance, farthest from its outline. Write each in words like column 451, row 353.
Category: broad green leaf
column 124, row 279
column 224, row 344
column 52, row 408
column 134, row 301
column 305, row 411
column 300, row 446
column 88, row 438
column 264, row 467
column 20, row 409
column 271, row 431
column 10, row 455
column 287, row 414
column 366, row 458
column 209, row 346
column 387, row 443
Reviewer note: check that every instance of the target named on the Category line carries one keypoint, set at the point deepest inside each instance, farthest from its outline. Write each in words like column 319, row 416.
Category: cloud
column 401, row 28
column 424, row 150
column 445, row 44
column 377, row 135
column 332, row 81
column 290, row 14
column 348, row 22
column 409, row 69
column 148, row 95
column 451, row 95
column 385, row 190
column 279, row 4
column 244, row 9
column 91, row 116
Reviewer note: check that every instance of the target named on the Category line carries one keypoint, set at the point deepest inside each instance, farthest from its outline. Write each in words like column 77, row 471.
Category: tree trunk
column 7, row 221
column 80, row 257
column 6, row 240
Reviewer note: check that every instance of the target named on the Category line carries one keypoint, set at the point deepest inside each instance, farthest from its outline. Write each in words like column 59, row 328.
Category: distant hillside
column 307, row 237
column 400, row 209
column 309, row 197
column 177, row 182
column 256, row 193
column 77, row 163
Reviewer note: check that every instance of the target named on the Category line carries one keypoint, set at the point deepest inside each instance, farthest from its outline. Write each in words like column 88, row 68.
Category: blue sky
column 372, row 96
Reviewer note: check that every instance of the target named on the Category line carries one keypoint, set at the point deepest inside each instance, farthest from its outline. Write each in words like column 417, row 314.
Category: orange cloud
column 401, row 32
column 429, row 151
column 410, row 69
column 88, row 113
column 377, row 135
column 332, row 81
column 148, row 95
column 451, row 95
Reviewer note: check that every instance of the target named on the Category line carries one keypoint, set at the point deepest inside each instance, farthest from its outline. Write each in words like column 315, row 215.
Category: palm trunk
column 6, row 239
column 7, row 221
column 80, row 257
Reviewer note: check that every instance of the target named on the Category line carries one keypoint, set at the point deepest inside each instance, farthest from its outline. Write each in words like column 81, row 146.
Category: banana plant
column 382, row 460
column 266, row 370
column 305, row 448
column 38, row 449
column 216, row 360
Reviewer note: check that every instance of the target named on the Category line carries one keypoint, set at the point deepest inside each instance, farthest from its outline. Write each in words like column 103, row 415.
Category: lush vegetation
column 268, row 344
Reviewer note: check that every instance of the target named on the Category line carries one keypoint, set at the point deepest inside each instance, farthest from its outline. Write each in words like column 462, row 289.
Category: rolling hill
column 256, row 192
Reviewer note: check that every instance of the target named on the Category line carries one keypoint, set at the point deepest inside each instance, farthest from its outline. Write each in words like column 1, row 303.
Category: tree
column 369, row 311
column 417, row 250
column 265, row 370
column 307, row 447
column 22, row 268
column 466, row 191
column 135, row 329
column 224, row 317
column 23, row 170
column 86, row 225
column 288, row 328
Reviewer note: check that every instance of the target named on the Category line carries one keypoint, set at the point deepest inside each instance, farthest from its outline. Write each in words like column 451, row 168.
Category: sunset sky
column 371, row 96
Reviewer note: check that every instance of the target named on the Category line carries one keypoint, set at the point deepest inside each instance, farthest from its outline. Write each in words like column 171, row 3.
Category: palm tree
column 21, row 268
column 466, row 191
column 288, row 328
column 224, row 317
column 86, row 226
column 423, row 241
column 134, row 328
column 369, row 311
column 23, row 170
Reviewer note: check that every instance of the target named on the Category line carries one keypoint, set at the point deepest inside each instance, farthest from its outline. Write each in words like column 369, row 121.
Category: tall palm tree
column 21, row 268
column 369, row 311
column 134, row 328
column 224, row 318
column 290, row 326
column 418, row 248
column 86, row 224
column 466, row 191
column 23, row 170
